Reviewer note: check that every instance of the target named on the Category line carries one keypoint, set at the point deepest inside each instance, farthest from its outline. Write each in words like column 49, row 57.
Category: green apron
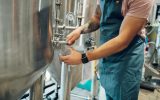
column 120, row 73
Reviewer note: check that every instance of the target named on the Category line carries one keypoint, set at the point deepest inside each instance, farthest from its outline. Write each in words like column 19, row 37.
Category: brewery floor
column 143, row 95
column 148, row 95
column 81, row 94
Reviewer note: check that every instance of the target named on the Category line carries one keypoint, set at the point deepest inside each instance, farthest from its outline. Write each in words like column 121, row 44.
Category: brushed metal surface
column 25, row 47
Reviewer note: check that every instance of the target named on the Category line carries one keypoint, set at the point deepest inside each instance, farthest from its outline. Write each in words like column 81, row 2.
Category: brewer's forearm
column 93, row 24
column 89, row 27
column 111, row 47
column 129, row 29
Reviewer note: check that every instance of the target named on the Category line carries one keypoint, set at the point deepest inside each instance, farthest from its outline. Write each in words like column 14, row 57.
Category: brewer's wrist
column 81, row 30
column 84, row 28
column 90, row 55
column 84, row 58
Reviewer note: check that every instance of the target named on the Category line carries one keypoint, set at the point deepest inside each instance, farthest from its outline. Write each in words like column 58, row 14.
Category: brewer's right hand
column 73, row 36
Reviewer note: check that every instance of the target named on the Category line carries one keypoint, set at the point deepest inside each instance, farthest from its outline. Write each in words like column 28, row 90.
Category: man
column 121, row 52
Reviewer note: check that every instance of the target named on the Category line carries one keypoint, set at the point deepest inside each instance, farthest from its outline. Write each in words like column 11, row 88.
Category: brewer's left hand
column 73, row 59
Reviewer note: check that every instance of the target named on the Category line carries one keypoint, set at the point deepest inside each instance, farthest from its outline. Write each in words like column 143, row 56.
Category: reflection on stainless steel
column 63, row 17
column 68, row 16
column 158, row 45
column 63, row 25
column 36, row 91
column 27, row 40
column 25, row 47
column 153, row 46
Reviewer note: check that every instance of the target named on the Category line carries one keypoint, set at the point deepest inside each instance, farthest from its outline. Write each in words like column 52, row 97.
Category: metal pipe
column 83, row 22
column 94, row 80
column 65, row 12
column 58, row 4
column 69, row 83
column 80, row 96
column 36, row 91
column 64, row 91
column 67, row 27
column 63, row 42
column 40, row 1
column 66, row 78
column 76, row 6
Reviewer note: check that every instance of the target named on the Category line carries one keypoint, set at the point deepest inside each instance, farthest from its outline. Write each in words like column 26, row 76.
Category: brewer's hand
column 73, row 59
column 73, row 36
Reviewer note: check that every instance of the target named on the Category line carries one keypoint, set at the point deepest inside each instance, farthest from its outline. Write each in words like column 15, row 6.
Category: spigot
column 58, row 44
column 90, row 43
column 58, row 40
column 63, row 42
column 58, row 3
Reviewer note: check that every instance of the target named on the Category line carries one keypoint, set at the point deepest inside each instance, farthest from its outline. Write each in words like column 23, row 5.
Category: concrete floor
column 143, row 95
column 148, row 95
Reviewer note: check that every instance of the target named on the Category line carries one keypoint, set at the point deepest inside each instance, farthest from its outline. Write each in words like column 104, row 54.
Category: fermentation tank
column 28, row 32
column 25, row 44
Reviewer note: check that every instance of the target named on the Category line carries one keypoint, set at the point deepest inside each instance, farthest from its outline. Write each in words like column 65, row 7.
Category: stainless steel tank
column 25, row 44
column 68, row 14
column 70, row 10
column 66, row 7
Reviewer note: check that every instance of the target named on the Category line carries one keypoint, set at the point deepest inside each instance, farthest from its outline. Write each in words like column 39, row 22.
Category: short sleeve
column 139, row 8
